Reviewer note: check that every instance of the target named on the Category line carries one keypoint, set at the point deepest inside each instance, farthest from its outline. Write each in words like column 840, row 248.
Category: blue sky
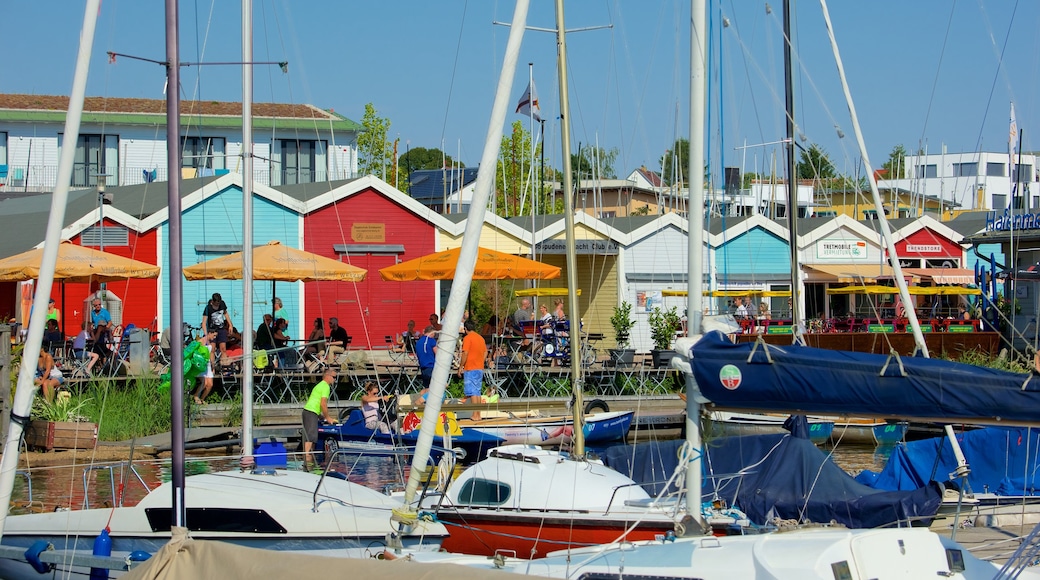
column 922, row 73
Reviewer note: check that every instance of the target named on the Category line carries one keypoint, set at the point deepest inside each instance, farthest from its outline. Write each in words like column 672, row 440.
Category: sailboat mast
column 886, row 231
column 695, row 228
column 568, row 220
column 797, row 294
column 247, row 232
column 460, row 286
column 26, row 390
column 173, row 200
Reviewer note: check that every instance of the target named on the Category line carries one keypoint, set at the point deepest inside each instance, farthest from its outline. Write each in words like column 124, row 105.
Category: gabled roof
column 651, row 177
column 428, row 185
column 969, row 223
column 126, row 111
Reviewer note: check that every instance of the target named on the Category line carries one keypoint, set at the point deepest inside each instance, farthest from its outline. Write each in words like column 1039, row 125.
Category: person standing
column 426, row 354
column 523, row 314
column 215, row 317
column 53, row 313
column 316, row 409
column 471, row 365
column 279, row 310
column 207, row 377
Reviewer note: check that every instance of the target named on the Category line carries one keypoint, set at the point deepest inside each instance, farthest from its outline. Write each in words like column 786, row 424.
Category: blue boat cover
column 784, row 476
column 1002, row 461
column 808, row 380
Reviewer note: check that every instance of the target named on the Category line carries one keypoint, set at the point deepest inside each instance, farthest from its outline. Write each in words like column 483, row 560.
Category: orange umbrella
column 277, row 263
column 76, row 264
column 491, row 265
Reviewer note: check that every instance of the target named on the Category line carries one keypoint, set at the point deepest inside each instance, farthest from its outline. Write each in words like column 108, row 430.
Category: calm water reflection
column 52, row 487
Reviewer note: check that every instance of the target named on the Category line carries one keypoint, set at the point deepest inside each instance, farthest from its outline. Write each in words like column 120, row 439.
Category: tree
column 675, row 161
column 593, row 162
column 419, row 158
column 895, row 166
column 375, row 152
column 815, row 164
column 518, row 169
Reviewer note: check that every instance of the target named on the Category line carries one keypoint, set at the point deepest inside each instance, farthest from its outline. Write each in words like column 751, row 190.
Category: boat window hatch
column 248, row 521
column 483, row 492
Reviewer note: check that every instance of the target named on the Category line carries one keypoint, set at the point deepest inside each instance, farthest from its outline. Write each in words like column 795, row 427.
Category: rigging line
column 454, row 68
column 938, row 67
column 999, row 69
column 746, row 92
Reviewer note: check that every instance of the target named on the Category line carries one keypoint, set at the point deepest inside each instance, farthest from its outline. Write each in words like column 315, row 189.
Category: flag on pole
column 1013, row 133
column 528, row 104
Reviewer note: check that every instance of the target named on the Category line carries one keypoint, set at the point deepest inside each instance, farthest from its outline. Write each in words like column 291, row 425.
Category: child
column 207, row 377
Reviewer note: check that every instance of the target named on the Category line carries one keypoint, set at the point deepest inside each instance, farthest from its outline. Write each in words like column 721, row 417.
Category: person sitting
column 406, row 340
column 102, row 342
column 962, row 313
column 48, row 376
column 371, row 404
column 52, row 337
column 337, row 341
column 491, row 327
column 79, row 347
column 281, row 340
column 315, row 340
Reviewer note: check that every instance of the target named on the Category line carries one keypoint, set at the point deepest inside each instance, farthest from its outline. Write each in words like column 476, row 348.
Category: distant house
column 123, row 142
column 973, row 180
column 448, row 188
column 646, row 178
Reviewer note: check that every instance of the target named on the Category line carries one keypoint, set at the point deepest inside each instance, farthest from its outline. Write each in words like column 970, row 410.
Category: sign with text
column 368, row 233
column 841, row 249
column 924, row 248
column 780, row 329
column 881, row 328
column 583, row 247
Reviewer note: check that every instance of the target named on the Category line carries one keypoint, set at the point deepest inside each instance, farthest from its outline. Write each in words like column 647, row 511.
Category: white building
column 124, row 140
column 975, row 181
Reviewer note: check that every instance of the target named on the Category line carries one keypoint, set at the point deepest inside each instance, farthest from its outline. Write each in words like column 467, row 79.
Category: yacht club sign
column 598, row 247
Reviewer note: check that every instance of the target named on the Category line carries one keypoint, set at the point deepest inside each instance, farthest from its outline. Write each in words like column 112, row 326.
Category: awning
column 847, row 273
column 944, row 275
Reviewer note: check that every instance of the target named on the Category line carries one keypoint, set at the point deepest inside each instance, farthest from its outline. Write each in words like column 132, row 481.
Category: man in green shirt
column 315, row 410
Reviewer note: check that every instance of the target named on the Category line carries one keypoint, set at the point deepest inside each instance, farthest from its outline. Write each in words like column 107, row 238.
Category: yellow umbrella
column 277, row 263
column 545, row 292
column 491, row 265
column 76, row 264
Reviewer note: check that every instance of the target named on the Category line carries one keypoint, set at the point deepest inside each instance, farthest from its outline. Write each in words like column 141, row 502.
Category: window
column 999, row 201
column 1026, row 171
column 298, row 161
column 3, row 148
column 483, row 492
column 95, row 155
column 925, row 171
column 965, row 169
column 996, row 170
column 203, row 153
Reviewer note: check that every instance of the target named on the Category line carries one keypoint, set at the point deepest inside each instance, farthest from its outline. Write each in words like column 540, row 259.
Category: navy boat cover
column 1002, row 461
column 780, row 476
column 801, row 379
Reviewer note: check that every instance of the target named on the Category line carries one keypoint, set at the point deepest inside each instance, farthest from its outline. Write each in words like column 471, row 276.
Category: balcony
column 42, row 178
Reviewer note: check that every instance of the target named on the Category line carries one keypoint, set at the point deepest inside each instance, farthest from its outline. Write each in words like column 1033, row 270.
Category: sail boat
column 272, row 509
column 523, row 498
column 822, row 552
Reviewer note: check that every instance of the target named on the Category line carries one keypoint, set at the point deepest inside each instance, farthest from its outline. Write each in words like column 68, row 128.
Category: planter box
column 52, row 435
column 662, row 358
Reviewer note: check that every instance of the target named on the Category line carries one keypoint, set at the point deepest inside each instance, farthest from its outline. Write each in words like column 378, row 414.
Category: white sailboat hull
column 274, row 511
column 825, row 553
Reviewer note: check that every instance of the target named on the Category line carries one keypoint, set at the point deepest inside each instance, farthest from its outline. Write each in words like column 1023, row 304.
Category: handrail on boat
column 387, row 452
column 116, row 500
